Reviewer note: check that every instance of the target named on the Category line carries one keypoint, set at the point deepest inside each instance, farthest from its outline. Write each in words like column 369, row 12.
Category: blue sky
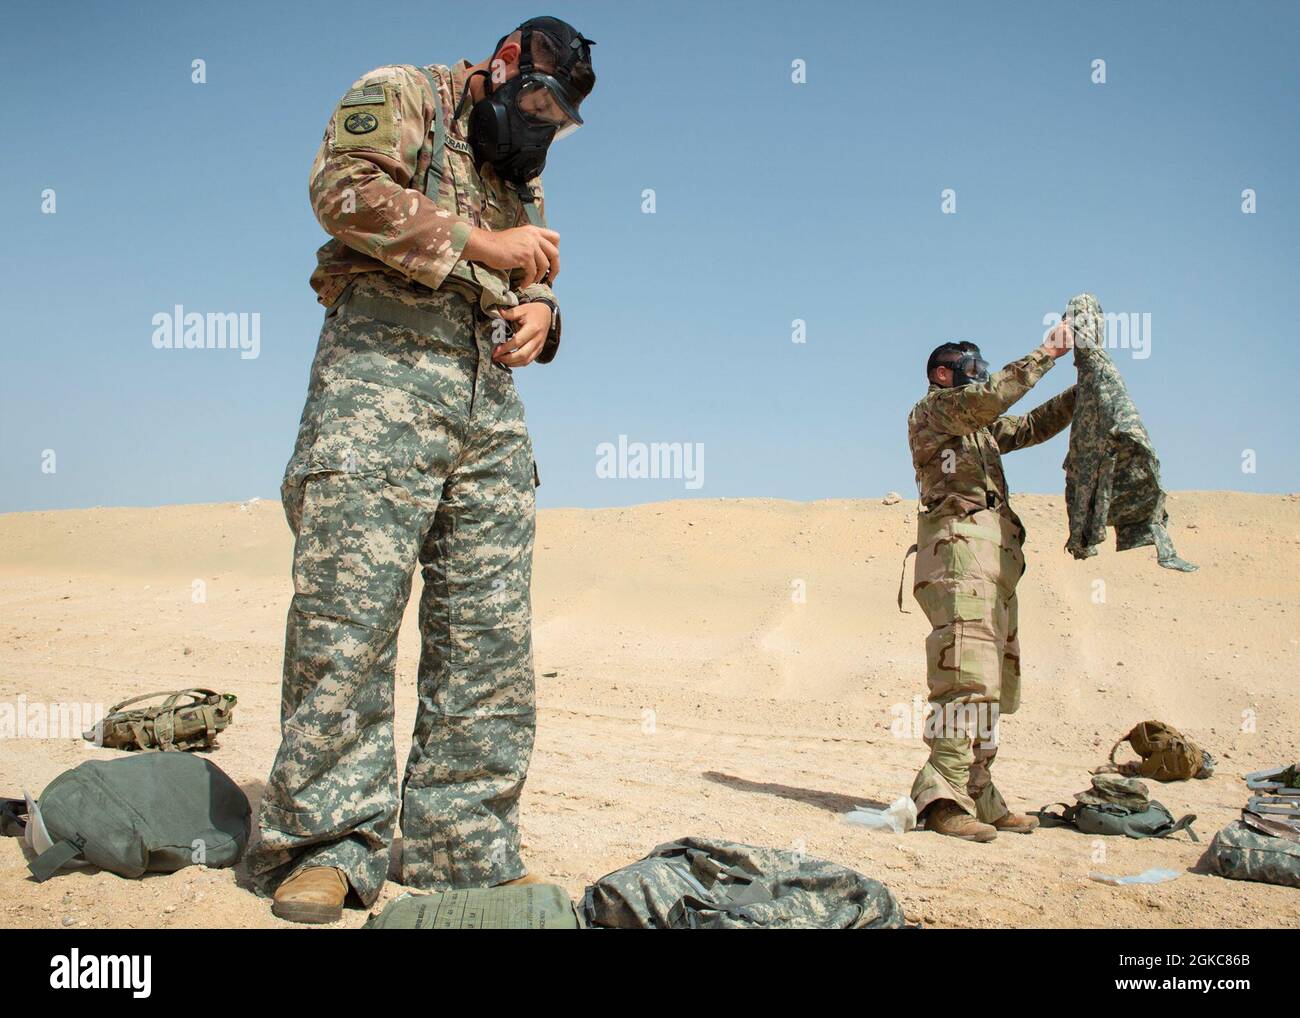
column 775, row 201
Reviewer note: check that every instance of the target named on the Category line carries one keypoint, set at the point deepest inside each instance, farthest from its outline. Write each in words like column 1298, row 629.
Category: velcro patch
column 360, row 123
column 367, row 95
column 373, row 127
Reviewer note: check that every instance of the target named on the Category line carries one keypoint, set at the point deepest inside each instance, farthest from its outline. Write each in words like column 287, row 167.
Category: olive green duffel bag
column 156, row 812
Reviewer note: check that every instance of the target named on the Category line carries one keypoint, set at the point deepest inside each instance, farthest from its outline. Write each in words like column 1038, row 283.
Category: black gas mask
column 971, row 369
column 513, row 125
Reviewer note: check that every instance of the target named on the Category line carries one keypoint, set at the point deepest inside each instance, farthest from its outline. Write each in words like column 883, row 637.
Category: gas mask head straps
column 513, row 126
column 963, row 360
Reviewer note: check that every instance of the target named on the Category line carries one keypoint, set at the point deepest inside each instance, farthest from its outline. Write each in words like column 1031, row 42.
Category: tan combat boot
column 946, row 817
column 524, row 881
column 1016, row 823
column 312, row 895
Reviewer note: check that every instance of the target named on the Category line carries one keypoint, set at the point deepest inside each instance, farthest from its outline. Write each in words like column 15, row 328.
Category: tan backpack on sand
column 186, row 719
column 1167, row 754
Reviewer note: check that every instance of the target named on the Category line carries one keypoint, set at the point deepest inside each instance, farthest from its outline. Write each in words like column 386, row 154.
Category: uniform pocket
column 495, row 216
column 362, row 427
column 1012, row 562
column 968, row 607
column 992, row 551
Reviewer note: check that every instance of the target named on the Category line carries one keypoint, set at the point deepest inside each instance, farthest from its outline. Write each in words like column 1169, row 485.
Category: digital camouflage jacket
column 1112, row 475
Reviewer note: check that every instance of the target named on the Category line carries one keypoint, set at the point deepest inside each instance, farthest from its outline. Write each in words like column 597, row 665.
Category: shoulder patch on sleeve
column 370, row 94
column 368, row 121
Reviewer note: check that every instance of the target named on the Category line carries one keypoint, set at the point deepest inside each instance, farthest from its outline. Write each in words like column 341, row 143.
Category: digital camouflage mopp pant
column 412, row 449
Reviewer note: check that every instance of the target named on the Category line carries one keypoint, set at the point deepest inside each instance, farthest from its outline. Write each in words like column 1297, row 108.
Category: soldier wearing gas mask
column 413, row 450
column 969, row 560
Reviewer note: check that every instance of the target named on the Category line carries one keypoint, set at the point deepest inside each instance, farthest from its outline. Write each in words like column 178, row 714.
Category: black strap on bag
column 13, row 813
column 55, row 858
column 1063, row 819
column 13, row 824
column 1185, row 824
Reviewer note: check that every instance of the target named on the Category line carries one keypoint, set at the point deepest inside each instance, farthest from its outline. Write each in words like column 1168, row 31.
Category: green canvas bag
column 699, row 883
column 1118, row 805
column 523, row 907
column 156, row 812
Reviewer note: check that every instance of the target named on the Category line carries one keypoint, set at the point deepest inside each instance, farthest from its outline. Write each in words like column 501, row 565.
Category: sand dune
column 683, row 690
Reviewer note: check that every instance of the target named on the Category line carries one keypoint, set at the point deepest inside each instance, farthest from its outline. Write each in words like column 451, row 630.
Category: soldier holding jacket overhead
column 969, row 560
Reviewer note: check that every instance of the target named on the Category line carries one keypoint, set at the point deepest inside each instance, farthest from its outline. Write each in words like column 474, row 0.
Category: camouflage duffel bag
column 176, row 723
column 698, row 883
column 1240, row 853
column 522, row 907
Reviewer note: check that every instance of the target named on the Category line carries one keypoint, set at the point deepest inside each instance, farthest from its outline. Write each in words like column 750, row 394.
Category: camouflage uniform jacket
column 1112, row 475
column 958, row 435
column 367, row 191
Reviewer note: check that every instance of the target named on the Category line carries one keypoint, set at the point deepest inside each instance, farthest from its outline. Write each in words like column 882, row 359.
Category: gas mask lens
column 971, row 369
column 542, row 104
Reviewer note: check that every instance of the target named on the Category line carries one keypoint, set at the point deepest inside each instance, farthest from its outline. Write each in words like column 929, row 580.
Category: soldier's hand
column 534, row 249
column 1060, row 340
column 532, row 324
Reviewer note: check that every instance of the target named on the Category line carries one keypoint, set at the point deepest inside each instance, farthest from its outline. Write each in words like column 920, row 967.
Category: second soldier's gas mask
column 972, row 369
column 513, row 125
column 964, row 360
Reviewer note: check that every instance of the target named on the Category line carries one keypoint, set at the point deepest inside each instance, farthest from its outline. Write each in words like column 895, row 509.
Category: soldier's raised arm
column 1040, row 424
column 967, row 408
column 362, row 189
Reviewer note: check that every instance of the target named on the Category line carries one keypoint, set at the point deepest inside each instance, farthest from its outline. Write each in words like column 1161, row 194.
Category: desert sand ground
column 770, row 717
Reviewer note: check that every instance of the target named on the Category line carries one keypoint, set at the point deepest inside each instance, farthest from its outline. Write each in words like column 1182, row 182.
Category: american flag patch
column 370, row 95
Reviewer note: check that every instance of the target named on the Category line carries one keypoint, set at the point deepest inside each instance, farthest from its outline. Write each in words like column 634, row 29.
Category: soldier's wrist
column 476, row 245
column 553, row 335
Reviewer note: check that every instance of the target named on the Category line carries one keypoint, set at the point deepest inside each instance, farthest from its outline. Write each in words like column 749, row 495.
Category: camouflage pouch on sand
column 176, row 723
